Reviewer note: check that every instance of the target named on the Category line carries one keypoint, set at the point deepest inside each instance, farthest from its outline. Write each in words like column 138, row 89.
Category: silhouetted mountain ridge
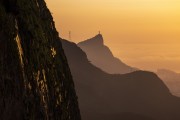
column 101, row 56
column 171, row 79
column 96, row 41
column 140, row 92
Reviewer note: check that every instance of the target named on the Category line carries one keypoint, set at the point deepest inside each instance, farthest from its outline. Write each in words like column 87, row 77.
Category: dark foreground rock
column 35, row 80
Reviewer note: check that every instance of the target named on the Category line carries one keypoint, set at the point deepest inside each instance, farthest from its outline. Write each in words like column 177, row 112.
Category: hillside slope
column 140, row 95
column 101, row 56
column 171, row 79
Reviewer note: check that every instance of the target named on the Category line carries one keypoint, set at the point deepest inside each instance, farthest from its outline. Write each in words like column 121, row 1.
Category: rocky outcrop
column 101, row 56
column 35, row 80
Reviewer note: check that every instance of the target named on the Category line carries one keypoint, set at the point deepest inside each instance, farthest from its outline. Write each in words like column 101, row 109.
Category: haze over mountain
column 142, row 33
column 171, row 79
column 101, row 56
column 36, row 82
column 138, row 95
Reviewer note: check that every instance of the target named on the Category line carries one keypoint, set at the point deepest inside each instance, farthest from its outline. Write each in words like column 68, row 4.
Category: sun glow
column 143, row 33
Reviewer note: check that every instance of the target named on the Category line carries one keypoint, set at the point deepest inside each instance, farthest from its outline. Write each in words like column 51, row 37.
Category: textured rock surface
column 35, row 80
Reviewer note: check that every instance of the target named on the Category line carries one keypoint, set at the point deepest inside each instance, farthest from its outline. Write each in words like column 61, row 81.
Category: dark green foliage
column 35, row 80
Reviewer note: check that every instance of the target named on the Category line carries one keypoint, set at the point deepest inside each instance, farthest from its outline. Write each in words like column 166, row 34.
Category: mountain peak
column 99, row 35
column 96, row 40
column 101, row 56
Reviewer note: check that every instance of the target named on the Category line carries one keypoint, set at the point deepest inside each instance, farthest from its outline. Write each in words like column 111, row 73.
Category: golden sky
column 142, row 33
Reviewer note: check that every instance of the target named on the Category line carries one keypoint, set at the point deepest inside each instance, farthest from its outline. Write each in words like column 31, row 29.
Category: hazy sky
column 142, row 33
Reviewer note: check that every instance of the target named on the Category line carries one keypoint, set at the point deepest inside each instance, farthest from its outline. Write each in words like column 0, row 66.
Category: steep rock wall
column 35, row 80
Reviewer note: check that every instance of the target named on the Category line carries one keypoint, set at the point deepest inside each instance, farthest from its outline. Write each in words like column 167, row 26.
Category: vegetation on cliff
column 35, row 80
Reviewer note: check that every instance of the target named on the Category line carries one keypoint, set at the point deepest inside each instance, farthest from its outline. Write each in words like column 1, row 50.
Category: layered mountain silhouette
column 101, row 56
column 35, row 79
column 139, row 95
column 171, row 79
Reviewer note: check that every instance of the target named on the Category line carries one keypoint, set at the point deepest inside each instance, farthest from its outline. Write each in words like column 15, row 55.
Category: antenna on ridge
column 69, row 35
column 99, row 32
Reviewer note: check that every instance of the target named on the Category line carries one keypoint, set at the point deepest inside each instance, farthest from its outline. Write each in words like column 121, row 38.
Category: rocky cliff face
column 35, row 80
column 101, row 56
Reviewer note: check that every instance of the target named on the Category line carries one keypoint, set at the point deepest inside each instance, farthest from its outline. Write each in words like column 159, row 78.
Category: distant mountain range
column 171, row 79
column 101, row 56
column 139, row 95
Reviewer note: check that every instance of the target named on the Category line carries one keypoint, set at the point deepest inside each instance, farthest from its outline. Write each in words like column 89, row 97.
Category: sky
column 142, row 33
